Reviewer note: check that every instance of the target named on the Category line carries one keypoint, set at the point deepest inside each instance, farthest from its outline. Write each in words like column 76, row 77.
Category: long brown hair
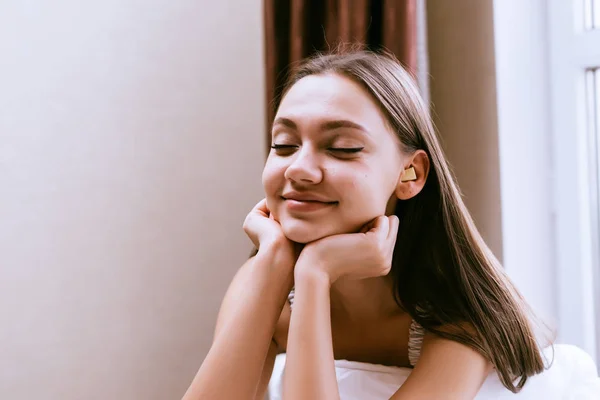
column 445, row 276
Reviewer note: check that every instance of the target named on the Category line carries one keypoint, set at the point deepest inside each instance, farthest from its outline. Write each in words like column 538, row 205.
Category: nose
column 305, row 167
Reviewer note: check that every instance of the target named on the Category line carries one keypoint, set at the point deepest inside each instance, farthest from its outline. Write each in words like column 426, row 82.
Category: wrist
column 276, row 243
column 310, row 270
column 279, row 252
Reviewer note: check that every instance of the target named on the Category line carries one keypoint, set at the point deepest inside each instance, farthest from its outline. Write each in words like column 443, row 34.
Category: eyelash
column 347, row 150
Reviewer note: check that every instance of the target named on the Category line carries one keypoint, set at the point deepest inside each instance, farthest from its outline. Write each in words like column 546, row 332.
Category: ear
column 410, row 184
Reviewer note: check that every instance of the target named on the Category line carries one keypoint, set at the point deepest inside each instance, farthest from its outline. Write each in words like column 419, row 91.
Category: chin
column 305, row 232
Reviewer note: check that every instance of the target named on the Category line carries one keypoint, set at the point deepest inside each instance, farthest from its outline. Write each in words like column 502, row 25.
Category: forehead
column 331, row 96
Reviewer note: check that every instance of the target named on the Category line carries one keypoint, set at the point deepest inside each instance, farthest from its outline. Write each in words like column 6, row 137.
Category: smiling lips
column 306, row 202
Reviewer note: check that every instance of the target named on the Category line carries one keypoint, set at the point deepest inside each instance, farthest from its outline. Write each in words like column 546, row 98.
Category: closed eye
column 346, row 149
column 340, row 150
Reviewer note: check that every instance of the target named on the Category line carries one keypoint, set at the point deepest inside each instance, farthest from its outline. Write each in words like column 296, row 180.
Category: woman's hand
column 360, row 255
column 266, row 233
column 261, row 227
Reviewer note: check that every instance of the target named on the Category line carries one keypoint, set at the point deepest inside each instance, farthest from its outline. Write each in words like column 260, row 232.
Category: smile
column 307, row 205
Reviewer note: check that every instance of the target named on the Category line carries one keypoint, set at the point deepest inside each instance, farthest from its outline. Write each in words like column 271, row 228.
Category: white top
column 356, row 380
column 572, row 376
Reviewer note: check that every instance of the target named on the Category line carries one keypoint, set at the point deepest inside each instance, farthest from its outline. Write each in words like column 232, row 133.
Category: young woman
column 364, row 225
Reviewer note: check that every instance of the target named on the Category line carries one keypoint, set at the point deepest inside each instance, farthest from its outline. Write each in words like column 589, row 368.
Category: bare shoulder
column 446, row 369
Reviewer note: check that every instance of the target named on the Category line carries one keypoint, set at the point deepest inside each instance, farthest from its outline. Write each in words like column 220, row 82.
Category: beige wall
column 463, row 93
column 130, row 151
column 131, row 146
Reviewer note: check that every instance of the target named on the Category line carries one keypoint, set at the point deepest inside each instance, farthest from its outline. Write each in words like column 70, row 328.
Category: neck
column 364, row 299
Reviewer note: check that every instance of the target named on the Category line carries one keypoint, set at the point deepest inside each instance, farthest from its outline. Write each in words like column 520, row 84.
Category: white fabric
column 572, row 376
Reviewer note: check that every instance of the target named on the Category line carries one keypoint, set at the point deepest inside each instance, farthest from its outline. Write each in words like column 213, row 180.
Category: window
column 591, row 14
column 592, row 113
column 574, row 48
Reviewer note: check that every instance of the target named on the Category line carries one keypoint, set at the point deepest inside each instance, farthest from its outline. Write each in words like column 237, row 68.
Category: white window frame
column 573, row 50
column 522, row 77
column 542, row 52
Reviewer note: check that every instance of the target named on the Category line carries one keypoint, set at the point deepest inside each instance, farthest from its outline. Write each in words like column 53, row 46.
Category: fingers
column 385, row 231
column 368, row 226
column 394, row 224
column 381, row 228
column 261, row 208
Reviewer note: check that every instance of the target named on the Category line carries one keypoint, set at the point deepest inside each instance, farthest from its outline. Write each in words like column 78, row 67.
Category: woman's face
column 336, row 164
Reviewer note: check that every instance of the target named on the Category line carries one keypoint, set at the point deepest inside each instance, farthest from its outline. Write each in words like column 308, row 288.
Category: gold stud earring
column 408, row 175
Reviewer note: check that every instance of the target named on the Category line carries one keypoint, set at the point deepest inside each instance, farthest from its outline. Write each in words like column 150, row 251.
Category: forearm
column 232, row 369
column 310, row 369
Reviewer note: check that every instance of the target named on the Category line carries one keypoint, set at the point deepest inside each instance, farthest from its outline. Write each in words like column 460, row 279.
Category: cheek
column 352, row 184
column 272, row 177
column 273, row 181
column 366, row 195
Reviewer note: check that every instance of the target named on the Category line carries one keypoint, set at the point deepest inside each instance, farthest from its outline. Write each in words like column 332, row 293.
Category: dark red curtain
column 295, row 29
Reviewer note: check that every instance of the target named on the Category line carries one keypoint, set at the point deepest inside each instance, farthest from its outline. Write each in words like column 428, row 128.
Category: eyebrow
column 325, row 126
